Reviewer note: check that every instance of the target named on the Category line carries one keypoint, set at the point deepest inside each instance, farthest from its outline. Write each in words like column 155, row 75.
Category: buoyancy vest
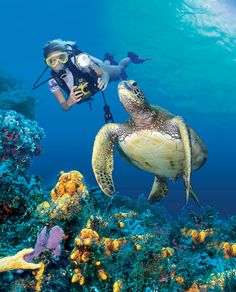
column 79, row 76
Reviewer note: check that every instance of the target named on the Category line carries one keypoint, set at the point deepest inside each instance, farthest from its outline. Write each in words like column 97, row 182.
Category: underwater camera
column 83, row 87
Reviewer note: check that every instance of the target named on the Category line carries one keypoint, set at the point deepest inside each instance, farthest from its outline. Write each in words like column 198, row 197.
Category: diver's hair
column 56, row 45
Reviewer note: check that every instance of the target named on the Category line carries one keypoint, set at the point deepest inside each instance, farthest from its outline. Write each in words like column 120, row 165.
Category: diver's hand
column 103, row 81
column 75, row 95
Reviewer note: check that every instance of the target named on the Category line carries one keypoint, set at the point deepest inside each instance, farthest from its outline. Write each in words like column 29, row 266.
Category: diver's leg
column 106, row 62
column 116, row 72
column 132, row 58
column 124, row 63
column 113, row 71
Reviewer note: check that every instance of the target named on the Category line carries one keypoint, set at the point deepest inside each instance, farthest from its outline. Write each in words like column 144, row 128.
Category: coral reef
column 45, row 245
column 95, row 243
column 20, row 140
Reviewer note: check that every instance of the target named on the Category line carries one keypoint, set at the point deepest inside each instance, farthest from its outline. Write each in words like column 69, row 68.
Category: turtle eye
column 132, row 83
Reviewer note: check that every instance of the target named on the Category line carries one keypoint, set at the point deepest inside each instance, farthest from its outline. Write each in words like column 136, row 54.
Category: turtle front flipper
column 158, row 191
column 184, row 133
column 102, row 157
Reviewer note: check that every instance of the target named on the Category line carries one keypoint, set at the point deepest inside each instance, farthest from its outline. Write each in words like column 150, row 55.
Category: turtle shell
column 160, row 153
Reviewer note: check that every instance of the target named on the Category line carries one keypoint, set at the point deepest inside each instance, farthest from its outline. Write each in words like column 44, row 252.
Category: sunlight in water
column 212, row 18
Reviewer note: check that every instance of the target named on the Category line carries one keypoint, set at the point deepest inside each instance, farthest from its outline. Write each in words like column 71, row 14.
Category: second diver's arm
column 75, row 97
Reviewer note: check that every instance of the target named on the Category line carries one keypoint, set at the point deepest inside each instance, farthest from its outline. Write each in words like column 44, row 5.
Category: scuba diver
column 80, row 75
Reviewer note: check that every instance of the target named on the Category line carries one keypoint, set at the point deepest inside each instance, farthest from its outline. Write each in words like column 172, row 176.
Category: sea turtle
column 153, row 140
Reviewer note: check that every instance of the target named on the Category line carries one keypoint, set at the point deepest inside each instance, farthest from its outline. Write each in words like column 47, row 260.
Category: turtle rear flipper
column 102, row 157
column 185, row 136
column 158, row 191
column 194, row 196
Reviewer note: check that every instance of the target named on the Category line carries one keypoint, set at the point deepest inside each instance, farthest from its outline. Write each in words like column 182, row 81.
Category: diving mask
column 57, row 58
column 83, row 60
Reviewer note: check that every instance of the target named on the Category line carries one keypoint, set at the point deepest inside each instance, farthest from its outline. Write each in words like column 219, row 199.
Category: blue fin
column 136, row 59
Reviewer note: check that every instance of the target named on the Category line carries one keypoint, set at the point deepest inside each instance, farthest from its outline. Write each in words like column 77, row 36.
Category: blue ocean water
column 192, row 74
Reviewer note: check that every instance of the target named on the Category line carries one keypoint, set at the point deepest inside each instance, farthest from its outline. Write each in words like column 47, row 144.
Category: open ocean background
column 192, row 74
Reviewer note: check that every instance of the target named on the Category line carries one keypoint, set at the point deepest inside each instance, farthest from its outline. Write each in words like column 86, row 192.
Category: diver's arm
column 75, row 96
column 103, row 79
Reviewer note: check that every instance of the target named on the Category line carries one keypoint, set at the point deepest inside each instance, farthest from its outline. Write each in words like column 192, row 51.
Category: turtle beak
column 122, row 90
column 122, row 85
column 127, row 85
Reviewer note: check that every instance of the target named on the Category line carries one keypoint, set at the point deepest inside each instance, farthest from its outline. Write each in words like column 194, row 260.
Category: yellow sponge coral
column 78, row 277
column 70, row 183
column 167, row 252
column 39, row 277
column 198, row 236
column 17, row 262
column 229, row 249
column 117, row 286
column 102, row 274
column 65, row 196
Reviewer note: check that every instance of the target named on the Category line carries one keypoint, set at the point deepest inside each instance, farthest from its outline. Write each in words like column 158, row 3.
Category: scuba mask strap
column 36, row 83
column 70, row 49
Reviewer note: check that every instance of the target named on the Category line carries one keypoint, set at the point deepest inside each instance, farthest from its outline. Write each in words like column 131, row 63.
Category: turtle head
column 131, row 96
